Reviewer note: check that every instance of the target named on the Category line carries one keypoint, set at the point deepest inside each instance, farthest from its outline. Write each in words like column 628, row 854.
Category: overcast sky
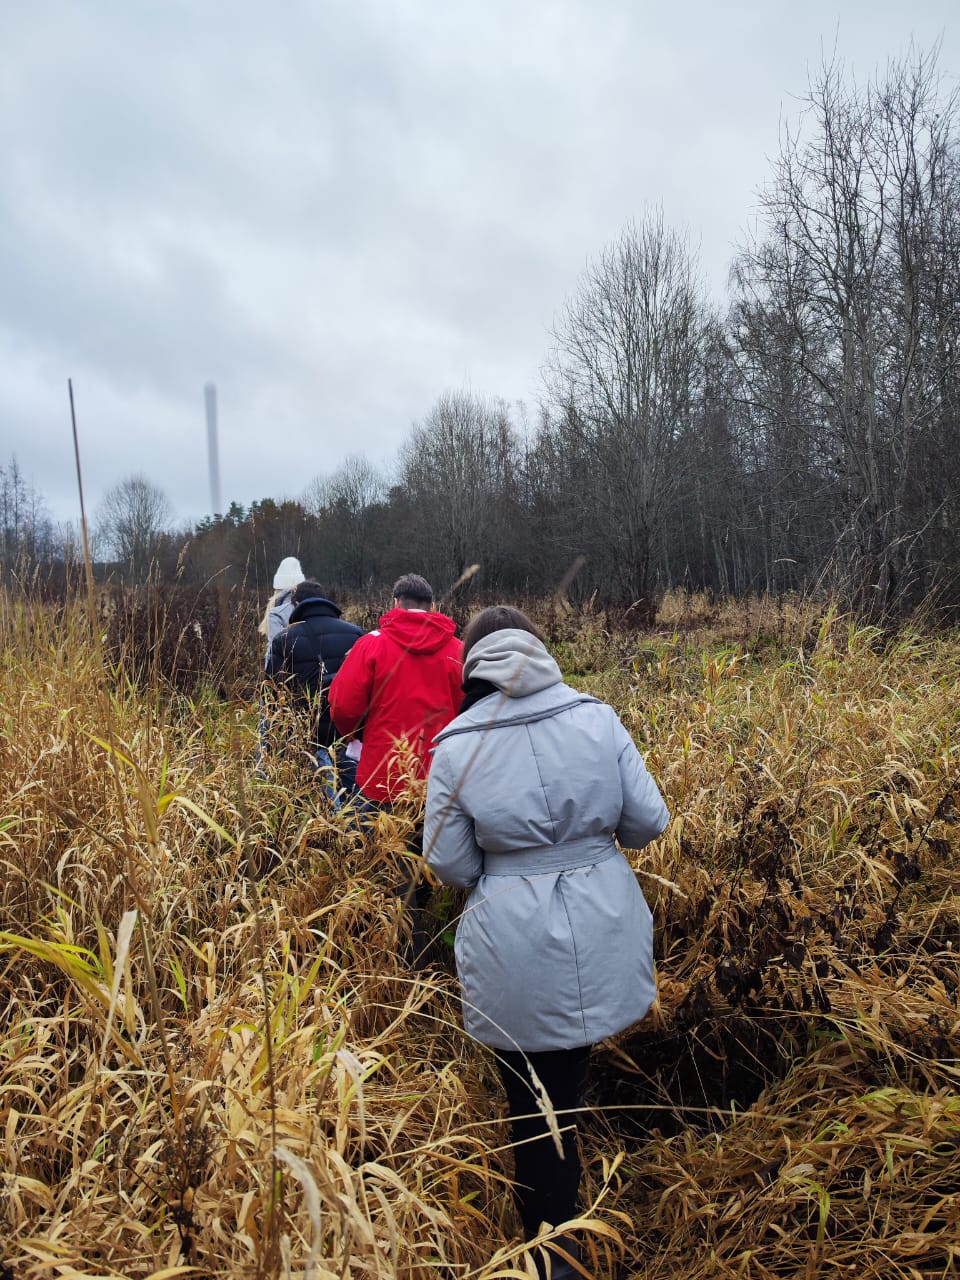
column 338, row 210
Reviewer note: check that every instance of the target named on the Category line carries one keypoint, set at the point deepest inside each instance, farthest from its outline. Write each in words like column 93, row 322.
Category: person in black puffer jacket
column 304, row 658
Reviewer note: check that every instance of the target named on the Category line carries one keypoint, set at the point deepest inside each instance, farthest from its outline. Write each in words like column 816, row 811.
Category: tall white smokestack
column 213, row 453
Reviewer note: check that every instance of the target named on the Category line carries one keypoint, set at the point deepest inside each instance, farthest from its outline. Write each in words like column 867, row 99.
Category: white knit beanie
column 288, row 575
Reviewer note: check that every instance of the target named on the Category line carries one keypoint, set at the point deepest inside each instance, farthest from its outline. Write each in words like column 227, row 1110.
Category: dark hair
column 306, row 590
column 413, row 588
column 499, row 617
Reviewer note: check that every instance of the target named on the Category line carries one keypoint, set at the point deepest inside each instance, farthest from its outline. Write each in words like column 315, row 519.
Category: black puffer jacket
column 307, row 655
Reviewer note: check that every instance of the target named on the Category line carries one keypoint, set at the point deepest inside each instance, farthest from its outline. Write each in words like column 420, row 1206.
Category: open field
column 214, row 1060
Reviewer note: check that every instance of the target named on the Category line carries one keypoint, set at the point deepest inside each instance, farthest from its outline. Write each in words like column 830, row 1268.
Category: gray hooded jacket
column 527, row 790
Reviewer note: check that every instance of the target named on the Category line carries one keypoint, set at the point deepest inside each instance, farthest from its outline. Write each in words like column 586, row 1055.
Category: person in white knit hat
column 279, row 606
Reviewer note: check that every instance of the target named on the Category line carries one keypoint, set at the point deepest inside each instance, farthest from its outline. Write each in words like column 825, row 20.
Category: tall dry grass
column 214, row 1059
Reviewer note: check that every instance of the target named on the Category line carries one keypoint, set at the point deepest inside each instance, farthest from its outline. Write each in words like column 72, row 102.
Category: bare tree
column 861, row 223
column 344, row 503
column 27, row 536
column 623, row 382
column 131, row 521
column 789, row 491
column 459, row 471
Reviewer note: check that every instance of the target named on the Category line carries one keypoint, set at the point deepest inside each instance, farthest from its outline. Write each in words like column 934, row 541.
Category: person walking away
column 401, row 685
column 305, row 656
column 531, row 788
column 289, row 575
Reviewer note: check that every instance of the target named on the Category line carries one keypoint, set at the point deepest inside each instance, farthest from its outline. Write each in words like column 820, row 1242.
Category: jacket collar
column 498, row 711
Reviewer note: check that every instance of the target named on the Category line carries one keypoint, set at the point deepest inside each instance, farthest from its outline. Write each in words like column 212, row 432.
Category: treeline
column 804, row 437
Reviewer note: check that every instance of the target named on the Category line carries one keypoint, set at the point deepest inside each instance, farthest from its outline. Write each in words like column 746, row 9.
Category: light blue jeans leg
column 327, row 776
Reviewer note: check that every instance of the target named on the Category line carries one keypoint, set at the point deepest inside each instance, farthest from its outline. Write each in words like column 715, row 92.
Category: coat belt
column 544, row 859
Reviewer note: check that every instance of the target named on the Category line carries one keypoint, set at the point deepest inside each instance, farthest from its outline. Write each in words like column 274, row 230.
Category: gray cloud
column 337, row 211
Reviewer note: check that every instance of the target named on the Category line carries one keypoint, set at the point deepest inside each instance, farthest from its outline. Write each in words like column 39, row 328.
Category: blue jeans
column 337, row 775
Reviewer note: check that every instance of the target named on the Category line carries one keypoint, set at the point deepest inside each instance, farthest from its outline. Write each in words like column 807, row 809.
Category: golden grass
column 215, row 1061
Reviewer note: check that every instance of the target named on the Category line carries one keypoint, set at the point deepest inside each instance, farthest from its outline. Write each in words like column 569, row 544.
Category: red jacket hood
column 416, row 631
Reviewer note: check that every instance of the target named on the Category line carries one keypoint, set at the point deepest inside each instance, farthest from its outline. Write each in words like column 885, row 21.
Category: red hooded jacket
column 399, row 686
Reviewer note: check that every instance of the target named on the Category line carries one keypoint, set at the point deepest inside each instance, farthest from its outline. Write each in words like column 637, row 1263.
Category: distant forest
column 803, row 438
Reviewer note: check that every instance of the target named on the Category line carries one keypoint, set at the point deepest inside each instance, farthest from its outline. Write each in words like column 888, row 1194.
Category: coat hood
column 416, row 630
column 314, row 604
column 513, row 660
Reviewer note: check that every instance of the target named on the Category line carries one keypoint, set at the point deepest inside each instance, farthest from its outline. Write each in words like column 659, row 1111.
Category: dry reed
column 215, row 1061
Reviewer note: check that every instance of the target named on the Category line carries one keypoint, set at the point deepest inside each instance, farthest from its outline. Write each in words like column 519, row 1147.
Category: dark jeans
column 546, row 1183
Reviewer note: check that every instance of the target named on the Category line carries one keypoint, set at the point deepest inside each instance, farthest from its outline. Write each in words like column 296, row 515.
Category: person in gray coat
column 276, row 617
column 531, row 789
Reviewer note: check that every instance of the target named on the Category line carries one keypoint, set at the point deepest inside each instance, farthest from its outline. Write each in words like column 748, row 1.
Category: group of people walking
column 532, row 790
column 373, row 700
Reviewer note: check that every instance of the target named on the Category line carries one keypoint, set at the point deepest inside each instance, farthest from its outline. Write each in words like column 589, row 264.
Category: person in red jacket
column 399, row 686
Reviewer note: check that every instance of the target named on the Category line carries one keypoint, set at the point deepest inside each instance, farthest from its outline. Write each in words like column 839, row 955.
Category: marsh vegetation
column 215, row 1060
